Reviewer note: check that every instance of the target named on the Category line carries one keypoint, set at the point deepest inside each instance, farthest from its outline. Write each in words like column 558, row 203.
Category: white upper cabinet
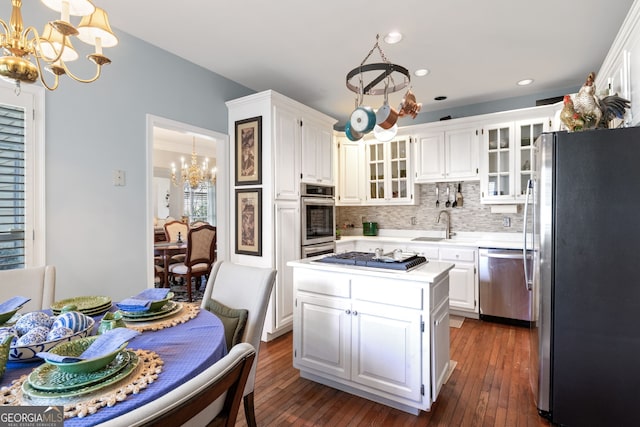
column 287, row 149
column 508, row 158
column 621, row 67
column 389, row 177
column 351, row 173
column 317, row 165
column 447, row 155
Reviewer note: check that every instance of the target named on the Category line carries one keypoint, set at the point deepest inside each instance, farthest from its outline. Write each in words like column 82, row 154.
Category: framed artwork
column 249, row 221
column 249, row 151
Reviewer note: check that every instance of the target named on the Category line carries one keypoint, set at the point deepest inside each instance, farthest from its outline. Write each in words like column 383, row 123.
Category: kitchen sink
column 427, row 239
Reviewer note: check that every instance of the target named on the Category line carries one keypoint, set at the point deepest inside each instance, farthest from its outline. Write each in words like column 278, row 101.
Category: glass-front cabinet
column 500, row 170
column 388, row 175
column 527, row 133
column 508, row 159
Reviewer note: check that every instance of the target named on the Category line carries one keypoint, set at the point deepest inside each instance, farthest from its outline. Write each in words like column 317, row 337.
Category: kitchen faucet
column 447, row 230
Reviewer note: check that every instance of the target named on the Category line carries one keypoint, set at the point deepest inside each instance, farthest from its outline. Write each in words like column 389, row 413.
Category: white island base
column 379, row 334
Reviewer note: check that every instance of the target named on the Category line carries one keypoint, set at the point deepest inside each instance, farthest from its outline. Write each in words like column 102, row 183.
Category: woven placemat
column 188, row 312
column 145, row 373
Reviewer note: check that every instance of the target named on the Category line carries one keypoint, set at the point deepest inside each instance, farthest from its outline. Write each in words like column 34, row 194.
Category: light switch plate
column 119, row 178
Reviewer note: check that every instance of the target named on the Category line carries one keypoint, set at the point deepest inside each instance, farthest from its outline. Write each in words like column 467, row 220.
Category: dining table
column 186, row 349
column 166, row 250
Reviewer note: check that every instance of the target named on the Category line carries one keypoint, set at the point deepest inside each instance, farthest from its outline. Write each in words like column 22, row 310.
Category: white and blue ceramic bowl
column 27, row 353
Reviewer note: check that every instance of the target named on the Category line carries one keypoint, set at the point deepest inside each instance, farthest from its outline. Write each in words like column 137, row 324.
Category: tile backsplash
column 472, row 216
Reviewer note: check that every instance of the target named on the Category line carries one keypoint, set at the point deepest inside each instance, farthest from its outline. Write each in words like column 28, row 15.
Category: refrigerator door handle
column 528, row 282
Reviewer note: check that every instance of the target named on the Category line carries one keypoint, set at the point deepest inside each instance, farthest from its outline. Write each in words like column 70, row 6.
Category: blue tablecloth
column 186, row 349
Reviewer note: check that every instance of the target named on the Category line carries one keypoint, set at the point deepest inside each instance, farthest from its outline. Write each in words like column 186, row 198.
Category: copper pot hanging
column 409, row 106
column 386, row 116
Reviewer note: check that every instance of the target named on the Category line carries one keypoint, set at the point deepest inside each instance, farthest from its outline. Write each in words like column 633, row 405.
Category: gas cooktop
column 401, row 262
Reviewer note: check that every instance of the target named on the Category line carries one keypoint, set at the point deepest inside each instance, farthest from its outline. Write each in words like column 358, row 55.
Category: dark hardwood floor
column 489, row 387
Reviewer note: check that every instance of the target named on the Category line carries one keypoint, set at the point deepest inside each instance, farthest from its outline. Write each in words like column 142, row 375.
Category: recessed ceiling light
column 525, row 82
column 440, row 98
column 393, row 37
column 421, row 72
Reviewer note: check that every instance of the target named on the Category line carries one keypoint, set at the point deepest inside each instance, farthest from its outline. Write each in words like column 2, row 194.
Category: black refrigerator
column 582, row 225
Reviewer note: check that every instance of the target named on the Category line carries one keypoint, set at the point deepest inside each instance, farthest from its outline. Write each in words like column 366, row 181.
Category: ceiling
column 476, row 51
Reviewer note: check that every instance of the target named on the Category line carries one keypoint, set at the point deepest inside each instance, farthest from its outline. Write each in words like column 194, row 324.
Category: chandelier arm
column 7, row 31
column 36, row 42
column 78, row 79
column 41, row 75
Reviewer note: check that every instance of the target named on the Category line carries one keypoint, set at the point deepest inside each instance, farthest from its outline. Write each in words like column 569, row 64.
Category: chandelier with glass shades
column 197, row 176
column 26, row 52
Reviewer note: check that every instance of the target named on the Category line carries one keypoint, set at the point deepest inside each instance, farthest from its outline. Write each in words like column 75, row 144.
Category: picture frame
column 249, row 221
column 248, row 135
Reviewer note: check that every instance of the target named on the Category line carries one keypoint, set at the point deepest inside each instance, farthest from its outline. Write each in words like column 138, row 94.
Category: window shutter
column 12, row 187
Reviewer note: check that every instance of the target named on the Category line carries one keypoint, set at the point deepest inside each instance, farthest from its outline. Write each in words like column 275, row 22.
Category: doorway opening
column 171, row 142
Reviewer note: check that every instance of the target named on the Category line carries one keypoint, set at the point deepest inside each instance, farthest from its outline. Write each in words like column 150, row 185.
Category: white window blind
column 12, row 187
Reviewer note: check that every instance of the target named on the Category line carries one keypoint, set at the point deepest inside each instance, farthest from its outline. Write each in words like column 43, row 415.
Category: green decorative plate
column 157, row 305
column 169, row 309
column 76, row 348
column 96, row 311
column 28, row 390
column 83, row 303
column 48, row 377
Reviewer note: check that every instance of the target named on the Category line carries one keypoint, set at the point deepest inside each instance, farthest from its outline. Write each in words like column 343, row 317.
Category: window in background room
column 199, row 204
column 21, row 179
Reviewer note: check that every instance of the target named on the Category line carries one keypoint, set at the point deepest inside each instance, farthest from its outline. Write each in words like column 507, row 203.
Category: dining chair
column 211, row 398
column 172, row 228
column 200, row 256
column 243, row 287
column 37, row 283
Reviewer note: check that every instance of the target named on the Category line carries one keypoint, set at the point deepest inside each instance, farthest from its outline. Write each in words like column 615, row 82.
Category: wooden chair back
column 172, row 228
column 201, row 246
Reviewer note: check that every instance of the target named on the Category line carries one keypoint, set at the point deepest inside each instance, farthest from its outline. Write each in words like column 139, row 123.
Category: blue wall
column 96, row 232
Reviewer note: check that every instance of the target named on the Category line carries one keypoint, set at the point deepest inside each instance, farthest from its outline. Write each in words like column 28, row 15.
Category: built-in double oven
column 318, row 212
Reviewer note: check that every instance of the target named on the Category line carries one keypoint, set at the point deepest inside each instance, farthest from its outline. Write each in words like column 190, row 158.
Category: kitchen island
column 379, row 334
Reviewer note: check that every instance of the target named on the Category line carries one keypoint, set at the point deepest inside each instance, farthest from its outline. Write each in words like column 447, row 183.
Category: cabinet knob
column 355, row 313
column 348, row 311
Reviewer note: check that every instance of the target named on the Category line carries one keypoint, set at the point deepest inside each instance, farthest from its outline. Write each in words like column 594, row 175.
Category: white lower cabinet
column 463, row 287
column 279, row 316
column 439, row 342
column 371, row 335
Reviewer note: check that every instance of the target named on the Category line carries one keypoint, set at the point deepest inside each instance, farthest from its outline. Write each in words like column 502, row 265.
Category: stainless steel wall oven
column 318, row 212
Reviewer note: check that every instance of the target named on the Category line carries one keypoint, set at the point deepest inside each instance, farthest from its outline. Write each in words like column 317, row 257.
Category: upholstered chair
column 37, row 283
column 249, row 288
column 201, row 250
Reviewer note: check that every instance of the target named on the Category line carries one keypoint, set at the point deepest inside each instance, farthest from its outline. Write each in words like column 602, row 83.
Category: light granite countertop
column 469, row 239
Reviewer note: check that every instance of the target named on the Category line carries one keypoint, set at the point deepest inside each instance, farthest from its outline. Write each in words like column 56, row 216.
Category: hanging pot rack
column 363, row 119
column 387, row 72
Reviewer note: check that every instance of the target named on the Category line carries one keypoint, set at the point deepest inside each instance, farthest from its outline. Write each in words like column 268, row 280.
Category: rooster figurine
column 594, row 111
column 569, row 117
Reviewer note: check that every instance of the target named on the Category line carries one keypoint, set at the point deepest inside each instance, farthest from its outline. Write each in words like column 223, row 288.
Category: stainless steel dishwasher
column 504, row 295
